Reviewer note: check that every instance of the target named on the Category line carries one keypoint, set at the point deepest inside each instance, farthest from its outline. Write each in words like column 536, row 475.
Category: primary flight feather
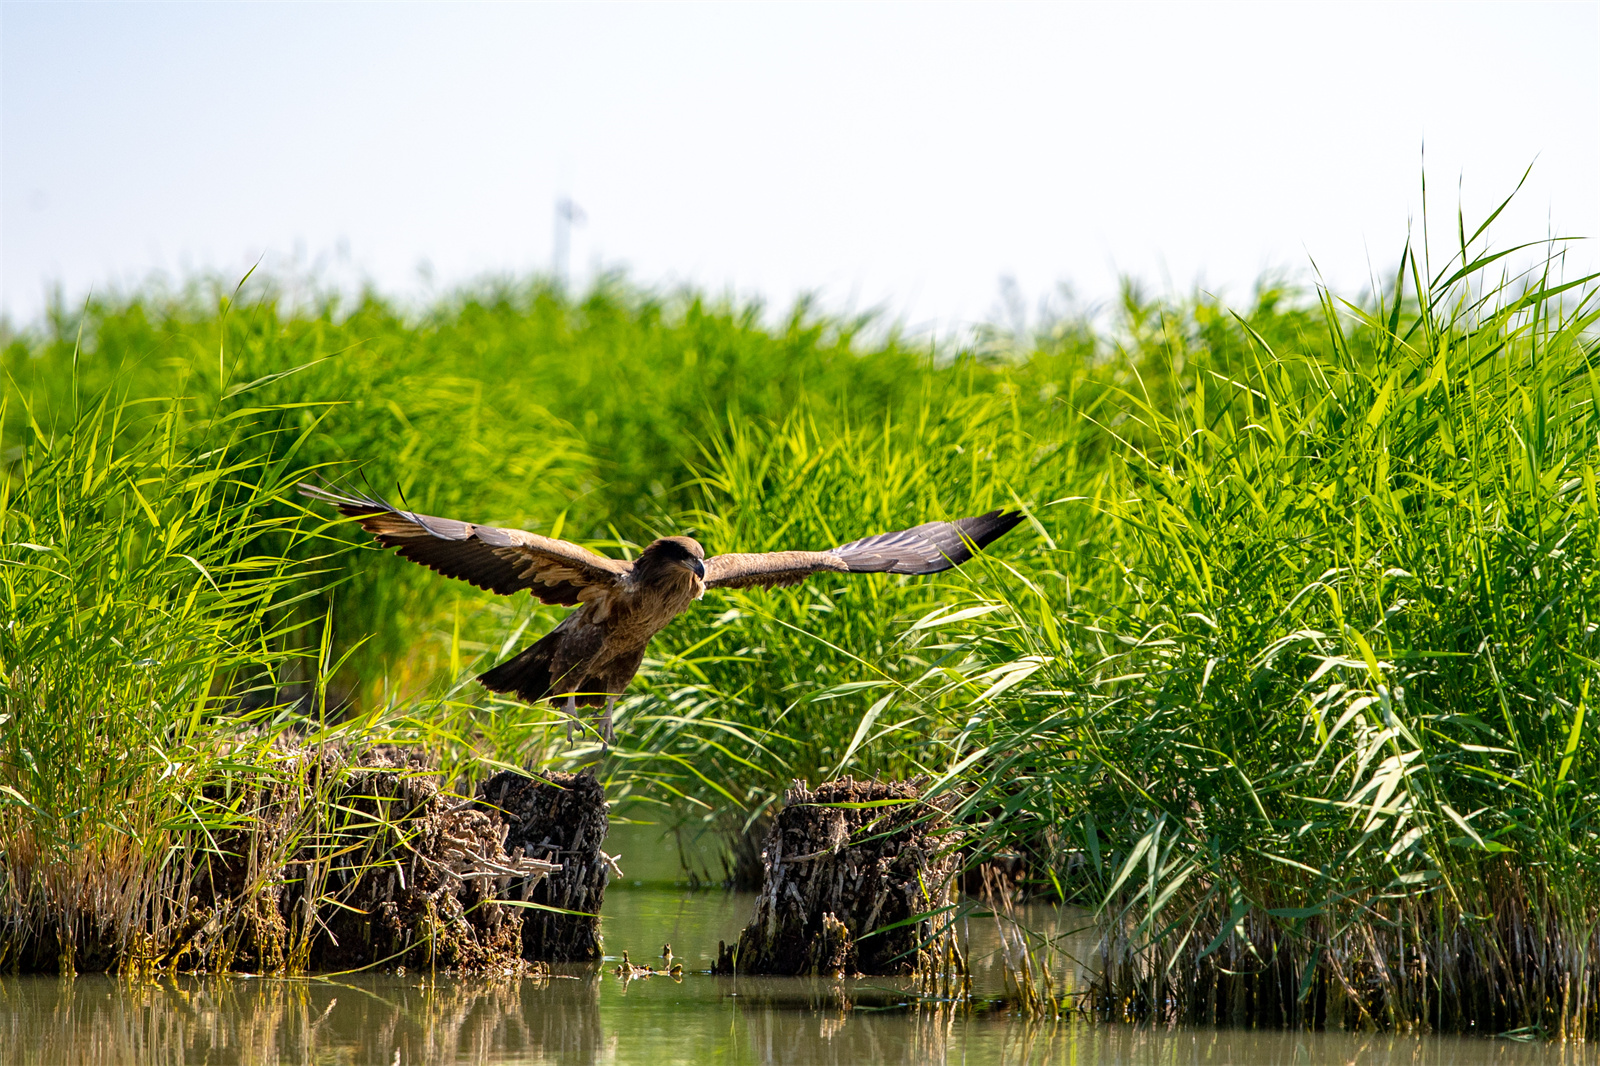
column 591, row 655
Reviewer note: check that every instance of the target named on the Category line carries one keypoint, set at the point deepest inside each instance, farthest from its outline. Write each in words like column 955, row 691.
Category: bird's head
column 684, row 552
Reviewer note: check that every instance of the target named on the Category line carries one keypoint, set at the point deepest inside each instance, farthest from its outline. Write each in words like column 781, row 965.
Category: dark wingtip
column 976, row 533
column 352, row 504
column 985, row 529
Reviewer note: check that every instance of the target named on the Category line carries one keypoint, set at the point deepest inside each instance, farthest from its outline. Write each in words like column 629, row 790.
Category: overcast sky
column 903, row 156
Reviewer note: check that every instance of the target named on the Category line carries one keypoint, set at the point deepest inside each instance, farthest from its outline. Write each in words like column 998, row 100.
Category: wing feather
column 740, row 570
column 500, row 560
column 926, row 549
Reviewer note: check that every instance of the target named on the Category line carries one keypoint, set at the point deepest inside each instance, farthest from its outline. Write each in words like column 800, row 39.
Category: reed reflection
column 92, row 1021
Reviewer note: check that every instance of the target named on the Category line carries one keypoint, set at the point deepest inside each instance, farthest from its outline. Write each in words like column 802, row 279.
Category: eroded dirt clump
column 357, row 860
column 835, row 873
column 558, row 818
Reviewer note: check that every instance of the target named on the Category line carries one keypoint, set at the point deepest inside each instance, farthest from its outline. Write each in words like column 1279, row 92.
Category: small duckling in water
column 629, row 970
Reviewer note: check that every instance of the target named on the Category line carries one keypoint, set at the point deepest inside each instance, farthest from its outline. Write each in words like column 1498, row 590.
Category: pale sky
column 900, row 156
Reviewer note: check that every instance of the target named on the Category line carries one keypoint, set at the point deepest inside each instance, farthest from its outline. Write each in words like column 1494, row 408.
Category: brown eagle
column 592, row 654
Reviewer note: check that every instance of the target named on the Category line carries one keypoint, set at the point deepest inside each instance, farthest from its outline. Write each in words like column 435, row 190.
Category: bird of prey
column 588, row 659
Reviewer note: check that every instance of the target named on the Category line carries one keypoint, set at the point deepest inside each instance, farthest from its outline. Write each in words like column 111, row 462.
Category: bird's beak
column 698, row 568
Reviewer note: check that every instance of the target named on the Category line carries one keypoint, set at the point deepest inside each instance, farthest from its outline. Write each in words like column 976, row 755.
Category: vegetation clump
column 353, row 860
column 1320, row 744
column 1290, row 682
column 859, row 878
column 559, row 819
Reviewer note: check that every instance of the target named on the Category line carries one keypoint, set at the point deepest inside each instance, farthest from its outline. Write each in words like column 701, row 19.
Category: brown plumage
column 593, row 653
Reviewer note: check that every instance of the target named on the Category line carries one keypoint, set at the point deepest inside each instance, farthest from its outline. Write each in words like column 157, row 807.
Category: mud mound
column 355, row 860
column 561, row 819
column 834, row 873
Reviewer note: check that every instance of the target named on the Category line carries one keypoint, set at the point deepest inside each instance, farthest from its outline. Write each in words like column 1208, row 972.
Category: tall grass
column 519, row 404
column 513, row 403
column 755, row 688
column 1289, row 669
column 174, row 791
column 141, row 591
column 1319, row 741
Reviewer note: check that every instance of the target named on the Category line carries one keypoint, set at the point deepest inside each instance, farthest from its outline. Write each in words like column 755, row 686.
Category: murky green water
column 588, row 1015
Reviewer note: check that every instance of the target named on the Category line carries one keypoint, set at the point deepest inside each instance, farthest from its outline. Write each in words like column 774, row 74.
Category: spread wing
column 925, row 549
column 500, row 560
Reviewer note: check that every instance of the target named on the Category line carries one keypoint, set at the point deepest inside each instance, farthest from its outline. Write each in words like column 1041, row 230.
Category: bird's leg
column 607, row 734
column 571, row 711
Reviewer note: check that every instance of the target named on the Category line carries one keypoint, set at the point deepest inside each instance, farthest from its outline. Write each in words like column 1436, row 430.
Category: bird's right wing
column 500, row 560
column 925, row 549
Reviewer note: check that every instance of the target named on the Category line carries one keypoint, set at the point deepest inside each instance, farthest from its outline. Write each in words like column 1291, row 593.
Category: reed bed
column 139, row 581
column 173, row 790
column 1317, row 743
column 1288, row 672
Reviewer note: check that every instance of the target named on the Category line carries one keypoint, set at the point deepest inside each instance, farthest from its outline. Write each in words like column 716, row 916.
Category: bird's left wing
column 500, row 560
column 925, row 549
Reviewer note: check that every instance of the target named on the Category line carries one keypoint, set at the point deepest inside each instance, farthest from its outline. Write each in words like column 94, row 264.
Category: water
column 585, row 1014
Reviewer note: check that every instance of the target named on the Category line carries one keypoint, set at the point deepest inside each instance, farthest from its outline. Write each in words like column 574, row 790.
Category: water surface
column 585, row 1014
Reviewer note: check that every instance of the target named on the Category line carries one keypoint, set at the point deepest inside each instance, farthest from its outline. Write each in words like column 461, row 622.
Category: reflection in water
column 102, row 1020
column 585, row 1015
column 820, row 1021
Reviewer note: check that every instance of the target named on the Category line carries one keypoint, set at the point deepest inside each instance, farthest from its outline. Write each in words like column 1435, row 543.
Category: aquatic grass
column 1289, row 671
column 143, row 589
column 170, row 763
column 515, row 403
column 519, row 403
column 1024, row 956
column 755, row 688
column 1319, row 745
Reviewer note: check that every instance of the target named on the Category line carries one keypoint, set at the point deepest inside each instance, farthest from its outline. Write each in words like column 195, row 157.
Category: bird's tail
column 526, row 674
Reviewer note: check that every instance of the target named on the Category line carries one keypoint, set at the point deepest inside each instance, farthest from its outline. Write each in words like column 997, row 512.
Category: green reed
column 1288, row 670
column 143, row 587
column 1316, row 736
column 169, row 766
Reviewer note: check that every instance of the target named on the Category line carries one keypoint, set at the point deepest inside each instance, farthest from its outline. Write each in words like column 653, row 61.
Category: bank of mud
column 345, row 859
column 859, row 877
